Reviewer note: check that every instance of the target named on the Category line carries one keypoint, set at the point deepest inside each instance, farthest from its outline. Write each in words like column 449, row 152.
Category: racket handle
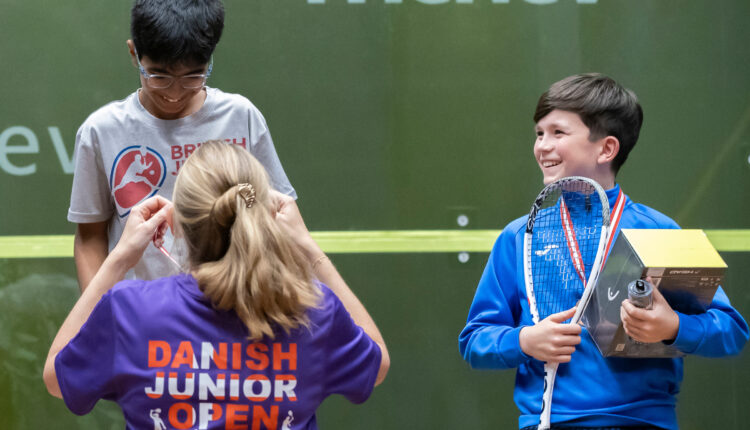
column 550, row 371
column 640, row 294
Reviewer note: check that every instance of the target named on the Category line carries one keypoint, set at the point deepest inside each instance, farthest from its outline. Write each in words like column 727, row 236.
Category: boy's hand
column 551, row 341
column 660, row 323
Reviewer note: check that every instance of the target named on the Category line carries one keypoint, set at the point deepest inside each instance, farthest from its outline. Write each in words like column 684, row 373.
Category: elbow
column 739, row 341
column 464, row 348
column 474, row 361
column 50, row 378
column 385, row 365
column 481, row 355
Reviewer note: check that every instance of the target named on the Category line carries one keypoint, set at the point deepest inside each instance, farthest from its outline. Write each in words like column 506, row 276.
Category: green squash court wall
column 393, row 115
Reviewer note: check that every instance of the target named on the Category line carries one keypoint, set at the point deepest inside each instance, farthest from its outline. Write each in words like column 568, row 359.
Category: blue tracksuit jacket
column 591, row 390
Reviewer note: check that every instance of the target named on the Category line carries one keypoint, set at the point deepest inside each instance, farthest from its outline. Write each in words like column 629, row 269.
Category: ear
column 131, row 49
column 610, row 147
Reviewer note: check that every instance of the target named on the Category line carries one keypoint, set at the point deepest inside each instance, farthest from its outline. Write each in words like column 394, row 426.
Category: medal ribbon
column 570, row 234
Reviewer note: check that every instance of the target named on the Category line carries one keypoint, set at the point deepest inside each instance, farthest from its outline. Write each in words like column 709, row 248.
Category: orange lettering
column 216, row 411
column 265, row 388
column 174, row 419
column 235, row 418
column 257, row 352
column 270, row 421
column 184, row 355
column 234, row 386
column 236, row 356
column 279, row 355
column 220, row 359
column 154, row 346
column 189, row 386
column 208, row 412
column 284, row 384
column 158, row 389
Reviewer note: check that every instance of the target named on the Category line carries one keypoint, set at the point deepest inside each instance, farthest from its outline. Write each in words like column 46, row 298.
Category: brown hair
column 239, row 256
column 605, row 107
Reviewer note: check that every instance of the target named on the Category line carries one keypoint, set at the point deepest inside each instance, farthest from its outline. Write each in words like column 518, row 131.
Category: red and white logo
column 138, row 172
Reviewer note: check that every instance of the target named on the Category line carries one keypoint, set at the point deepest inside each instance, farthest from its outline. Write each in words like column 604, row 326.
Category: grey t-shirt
column 123, row 155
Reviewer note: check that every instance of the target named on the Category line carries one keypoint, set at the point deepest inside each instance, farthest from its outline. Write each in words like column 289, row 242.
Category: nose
column 174, row 91
column 544, row 143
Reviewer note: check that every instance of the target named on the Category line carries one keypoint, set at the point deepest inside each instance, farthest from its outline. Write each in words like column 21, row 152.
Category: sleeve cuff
column 64, row 391
column 510, row 344
column 84, row 218
column 690, row 333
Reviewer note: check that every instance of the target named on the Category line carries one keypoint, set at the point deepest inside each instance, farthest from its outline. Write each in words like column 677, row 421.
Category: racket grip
column 640, row 294
column 550, row 371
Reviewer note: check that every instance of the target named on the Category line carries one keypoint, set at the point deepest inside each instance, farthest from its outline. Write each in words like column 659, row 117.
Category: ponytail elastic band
column 247, row 192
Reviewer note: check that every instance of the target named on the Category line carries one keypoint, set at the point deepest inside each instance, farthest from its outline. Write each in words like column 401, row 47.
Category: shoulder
column 642, row 216
column 228, row 105
column 512, row 232
column 509, row 242
column 330, row 315
column 517, row 226
column 142, row 295
column 236, row 101
column 111, row 114
column 328, row 304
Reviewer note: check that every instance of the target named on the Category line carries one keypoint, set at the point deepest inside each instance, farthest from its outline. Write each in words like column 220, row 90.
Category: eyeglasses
column 160, row 82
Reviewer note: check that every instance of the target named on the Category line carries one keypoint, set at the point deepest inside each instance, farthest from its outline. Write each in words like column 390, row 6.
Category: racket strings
column 557, row 283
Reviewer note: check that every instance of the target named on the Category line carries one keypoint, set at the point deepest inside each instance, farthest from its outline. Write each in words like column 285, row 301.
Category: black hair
column 605, row 107
column 171, row 32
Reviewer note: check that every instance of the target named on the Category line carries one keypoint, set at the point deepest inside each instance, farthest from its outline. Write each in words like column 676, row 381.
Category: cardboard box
column 683, row 265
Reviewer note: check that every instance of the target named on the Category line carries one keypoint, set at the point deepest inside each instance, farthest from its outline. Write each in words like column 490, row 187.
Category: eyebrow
column 198, row 71
column 160, row 71
column 555, row 124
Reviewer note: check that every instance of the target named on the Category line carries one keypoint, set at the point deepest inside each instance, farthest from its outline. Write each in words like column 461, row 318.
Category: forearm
column 491, row 346
column 491, row 337
column 711, row 334
column 112, row 271
column 90, row 249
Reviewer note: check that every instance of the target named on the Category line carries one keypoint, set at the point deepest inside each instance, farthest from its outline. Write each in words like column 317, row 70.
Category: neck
column 605, row 177
column 608, row 184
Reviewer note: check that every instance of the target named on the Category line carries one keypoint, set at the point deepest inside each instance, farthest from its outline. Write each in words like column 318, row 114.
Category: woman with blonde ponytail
column 256, row 334
column 238, row 253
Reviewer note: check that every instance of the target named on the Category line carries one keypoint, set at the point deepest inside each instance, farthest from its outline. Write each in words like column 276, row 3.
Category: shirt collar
column 612, row 194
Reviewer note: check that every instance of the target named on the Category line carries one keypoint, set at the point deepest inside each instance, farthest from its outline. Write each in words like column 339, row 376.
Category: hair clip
column 247, row 192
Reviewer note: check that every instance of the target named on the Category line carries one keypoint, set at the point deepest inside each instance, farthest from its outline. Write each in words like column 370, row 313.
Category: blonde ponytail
column 240, row 258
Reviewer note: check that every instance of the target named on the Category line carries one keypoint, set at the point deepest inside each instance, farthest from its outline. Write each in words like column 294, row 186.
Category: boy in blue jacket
column 586, row 125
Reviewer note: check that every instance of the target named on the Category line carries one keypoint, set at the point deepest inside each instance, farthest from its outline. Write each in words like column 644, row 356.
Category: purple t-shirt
column 170, row 360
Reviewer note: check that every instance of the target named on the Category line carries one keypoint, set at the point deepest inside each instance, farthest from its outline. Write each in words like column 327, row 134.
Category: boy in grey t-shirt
column 132, row 149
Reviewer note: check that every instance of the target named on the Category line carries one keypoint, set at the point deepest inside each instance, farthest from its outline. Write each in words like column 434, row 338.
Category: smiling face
column 172, row 102
column 563, row 148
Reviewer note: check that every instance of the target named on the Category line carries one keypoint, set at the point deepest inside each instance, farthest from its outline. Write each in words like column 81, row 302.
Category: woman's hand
column 147, row 222
column 290, row 221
